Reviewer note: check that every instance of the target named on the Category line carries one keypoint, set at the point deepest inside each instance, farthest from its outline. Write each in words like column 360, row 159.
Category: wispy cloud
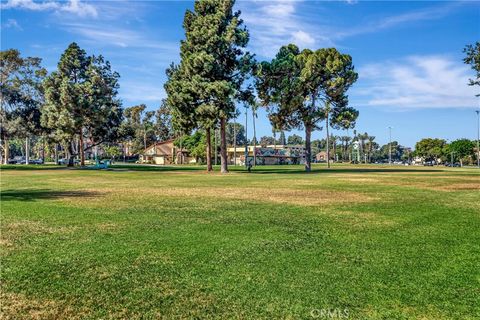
column 432, row 13
column 114, row 35
column 416, row 82
column 11, row 24
column 75, row 7
column 274, row 24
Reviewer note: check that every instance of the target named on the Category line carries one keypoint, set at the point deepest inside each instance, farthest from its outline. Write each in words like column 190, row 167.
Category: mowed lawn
column 367, row 242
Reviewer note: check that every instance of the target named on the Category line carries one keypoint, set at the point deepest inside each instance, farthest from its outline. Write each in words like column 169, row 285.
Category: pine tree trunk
column 254, row 140
column 235, row 139
column 82, row 152
column 7, row 150
column 328, row 143
column 56, row 153
column 27, row 150
column 70, row 154
column 308, row 148
column 223, row 147
column 334, row 150
column 209, row 149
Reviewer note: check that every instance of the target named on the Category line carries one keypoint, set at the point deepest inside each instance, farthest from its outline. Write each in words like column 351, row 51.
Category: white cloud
column 416, row 82
column 11, row 24
column 30, row 5
column 302, row 37
column 274, row 24
column 80, row 8
column 72, row 6
column 106, row 35
column 431, row 13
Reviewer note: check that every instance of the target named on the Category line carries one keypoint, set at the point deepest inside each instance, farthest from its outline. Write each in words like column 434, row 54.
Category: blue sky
column 408, row 54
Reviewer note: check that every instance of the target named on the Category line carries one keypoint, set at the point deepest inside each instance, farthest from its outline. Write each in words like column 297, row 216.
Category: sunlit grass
column 161, row 242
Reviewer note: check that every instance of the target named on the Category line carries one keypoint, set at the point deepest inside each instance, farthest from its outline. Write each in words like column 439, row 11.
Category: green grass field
column 371, row 242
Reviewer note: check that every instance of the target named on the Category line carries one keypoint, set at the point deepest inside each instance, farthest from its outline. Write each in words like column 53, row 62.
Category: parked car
column 36, row 161
column 452, row 164
column 64, row 161
column 17, row 160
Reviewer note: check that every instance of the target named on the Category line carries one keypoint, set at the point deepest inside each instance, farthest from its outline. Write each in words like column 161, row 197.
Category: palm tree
column 345, row 142
column 362, row 138
column 370, row 144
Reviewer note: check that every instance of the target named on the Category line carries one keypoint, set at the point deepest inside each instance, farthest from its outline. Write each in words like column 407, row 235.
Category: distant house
column 278, row 154
column 165, row 153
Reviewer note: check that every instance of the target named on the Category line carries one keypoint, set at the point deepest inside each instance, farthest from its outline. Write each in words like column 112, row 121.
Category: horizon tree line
column 77, row 105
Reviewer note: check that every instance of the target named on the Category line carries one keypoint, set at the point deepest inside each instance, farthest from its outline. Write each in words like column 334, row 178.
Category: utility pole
column 27, row 150
column 235, row 137
column 246, row 136
column 390, row 146
column 478, row 137
column 215, row 143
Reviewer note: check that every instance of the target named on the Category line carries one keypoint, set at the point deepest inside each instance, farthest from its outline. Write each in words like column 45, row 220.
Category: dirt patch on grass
column 121, row 197
column 34, row 227
column 13, row 232
column 460, row 186
column 18, row 306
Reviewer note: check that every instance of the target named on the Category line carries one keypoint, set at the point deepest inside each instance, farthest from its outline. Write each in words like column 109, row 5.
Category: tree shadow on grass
column 43, row 194
column 286, row 169
column 258, row 170
column 167, row 168
column 31, row 167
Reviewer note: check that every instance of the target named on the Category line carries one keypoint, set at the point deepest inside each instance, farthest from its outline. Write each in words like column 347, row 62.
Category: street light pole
column 390, row 146
column 235, row 137
column 246, row 136
column 478, row 137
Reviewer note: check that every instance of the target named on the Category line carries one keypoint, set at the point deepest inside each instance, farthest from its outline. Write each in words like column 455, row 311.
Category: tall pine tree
column 203, row 87
column 80, row 101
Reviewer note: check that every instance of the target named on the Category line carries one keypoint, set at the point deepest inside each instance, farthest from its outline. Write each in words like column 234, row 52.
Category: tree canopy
column 81, row 100
column 21, row 96
column 472, row 57
column 202, row 89
column 301, row 89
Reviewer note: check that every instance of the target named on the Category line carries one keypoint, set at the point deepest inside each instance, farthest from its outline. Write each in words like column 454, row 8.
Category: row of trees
column 438, row 150
column 75, row 107
column 300, row 89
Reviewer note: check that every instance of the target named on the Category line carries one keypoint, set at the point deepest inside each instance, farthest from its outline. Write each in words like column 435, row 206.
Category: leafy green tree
column 266, row 141
column 202, row 89
column 472, row 58
column 163, row 124
column 318, row 145
column 112, row 151
column 195, row 144
column 138, row 128
column 81, row 101
column 431, row 149
column 21, row 96
column 295, row 139
column 463, row 149
column 239, row 132
column 301, row 89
